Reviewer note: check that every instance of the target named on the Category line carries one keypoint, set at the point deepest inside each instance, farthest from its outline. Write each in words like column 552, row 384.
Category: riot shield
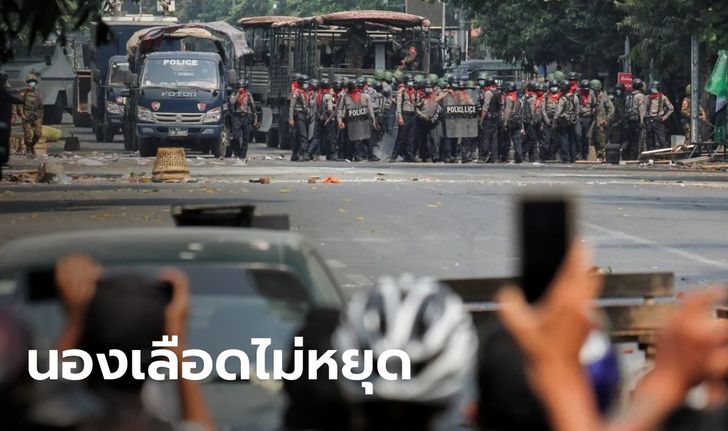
column 358, row 124
column 461, row 116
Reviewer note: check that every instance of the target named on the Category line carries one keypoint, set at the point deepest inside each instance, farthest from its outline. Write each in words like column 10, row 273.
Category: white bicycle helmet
column 424, row 319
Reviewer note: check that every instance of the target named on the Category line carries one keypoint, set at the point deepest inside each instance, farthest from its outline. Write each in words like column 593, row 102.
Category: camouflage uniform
column 605, row 114
column 31, row 111
column 655, row 110
column 685, row 112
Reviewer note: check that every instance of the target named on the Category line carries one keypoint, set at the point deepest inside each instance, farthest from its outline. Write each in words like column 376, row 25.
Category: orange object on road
column 331, row 180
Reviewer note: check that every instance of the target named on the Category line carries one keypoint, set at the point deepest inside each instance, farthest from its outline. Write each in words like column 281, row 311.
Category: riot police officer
column 428, row 111
column 632, row 143
column 616, row 130
column 533, row 121
column 356, row 117
column 31, row 114
column 490, row 112
column 566, row 118
column 298, row 116
column 550, row 130
column 587, row 108
column 512, row 124
column 243, row 118
column 655, row 110
column 407, row 101
column 326, row 109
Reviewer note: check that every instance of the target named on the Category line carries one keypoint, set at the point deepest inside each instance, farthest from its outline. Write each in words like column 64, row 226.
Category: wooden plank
column 647, row 285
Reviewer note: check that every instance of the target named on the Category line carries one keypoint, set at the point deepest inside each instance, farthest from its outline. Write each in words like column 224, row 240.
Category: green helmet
column 398, row 74
column 550, row 77
column 471, row 85
column 388, row 76
column 559, row 76
column 419, row 78
column 596, row 84
column 379, row 74
column 442, row 83
column 482, row 76
column 371, row 81
column 446, row 76
column 432, row 77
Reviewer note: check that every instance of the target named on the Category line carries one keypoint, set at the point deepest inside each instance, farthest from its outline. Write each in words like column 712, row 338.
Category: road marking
column 359, row 280
column 335, row 264
column 667, row 249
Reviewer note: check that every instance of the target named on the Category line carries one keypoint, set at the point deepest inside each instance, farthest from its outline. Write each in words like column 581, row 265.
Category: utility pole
column 694, row 90
column 627, row 61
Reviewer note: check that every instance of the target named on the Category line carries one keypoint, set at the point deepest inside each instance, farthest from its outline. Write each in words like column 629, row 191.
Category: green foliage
column 578, row 32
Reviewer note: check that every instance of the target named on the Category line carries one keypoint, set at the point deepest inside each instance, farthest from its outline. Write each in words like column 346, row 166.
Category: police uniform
column 298, row 113
column 533, row 125
column 31, row 112
column 617, row 127
column 566, row 118
column 327, row 124
column 350, row 108
column 490, row 120
column 243, row 111
column 655, row 110
column 550, row 127
column 407, row 101
column 633, row 106
column 428, row 111
column 604, row 116
column 512, row 125
column 585, row 121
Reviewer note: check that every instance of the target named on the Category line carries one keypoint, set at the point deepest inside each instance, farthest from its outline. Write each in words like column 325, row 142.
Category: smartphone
column 545, row 235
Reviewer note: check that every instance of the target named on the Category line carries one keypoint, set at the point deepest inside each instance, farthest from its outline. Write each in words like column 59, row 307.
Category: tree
column 34, row 21
column 578, row 34
column 662, row 30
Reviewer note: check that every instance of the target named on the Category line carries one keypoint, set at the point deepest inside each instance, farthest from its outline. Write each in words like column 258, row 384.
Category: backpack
column 632, row 111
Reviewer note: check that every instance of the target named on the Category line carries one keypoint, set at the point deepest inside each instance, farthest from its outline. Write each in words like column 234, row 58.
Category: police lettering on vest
column 357, row 112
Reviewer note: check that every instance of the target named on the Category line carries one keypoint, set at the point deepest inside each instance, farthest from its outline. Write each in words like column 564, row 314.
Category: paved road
column 441, row 220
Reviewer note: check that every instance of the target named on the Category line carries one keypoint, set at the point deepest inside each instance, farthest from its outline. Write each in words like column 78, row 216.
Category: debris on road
column 261, row 180
column 49, row 172
column 28, row 177
column 331, row 180
column 170, row 166
column 313, row 180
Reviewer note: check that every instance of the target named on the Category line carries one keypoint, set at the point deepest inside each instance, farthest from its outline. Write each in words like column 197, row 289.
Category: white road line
column 335, row 264
column 667, row 249
column 359, row 280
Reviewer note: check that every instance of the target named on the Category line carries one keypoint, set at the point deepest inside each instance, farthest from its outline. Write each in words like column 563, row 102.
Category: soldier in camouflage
column 550, row 127
column 685, row 113
column 631, row 146
column 31, row 114
column 533, row 120
column 604, row 116
column 585, row 122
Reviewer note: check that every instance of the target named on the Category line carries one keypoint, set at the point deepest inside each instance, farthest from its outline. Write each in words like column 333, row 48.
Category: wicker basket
column 170, row 166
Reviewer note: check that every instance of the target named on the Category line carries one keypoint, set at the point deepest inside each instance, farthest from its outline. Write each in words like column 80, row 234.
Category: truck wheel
column 271, row 138
column 53, row 114
column 108, row 133
column 219, row 147
column 147, row 147
column 98, row 132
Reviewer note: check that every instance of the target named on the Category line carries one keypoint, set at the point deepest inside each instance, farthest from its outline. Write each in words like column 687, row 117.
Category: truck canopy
column 368, row 17
column 230, row 42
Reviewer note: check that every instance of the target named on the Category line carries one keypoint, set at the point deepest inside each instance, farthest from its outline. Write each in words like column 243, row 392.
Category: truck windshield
column 180, row 73
column 116, row 74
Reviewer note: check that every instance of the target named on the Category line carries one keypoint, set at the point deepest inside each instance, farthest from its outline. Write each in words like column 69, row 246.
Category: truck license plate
column 177, row 132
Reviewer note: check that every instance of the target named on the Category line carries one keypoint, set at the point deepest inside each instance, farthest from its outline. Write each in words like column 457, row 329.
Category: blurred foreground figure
column 693, row 350
column 126, row 312
column 429, row 323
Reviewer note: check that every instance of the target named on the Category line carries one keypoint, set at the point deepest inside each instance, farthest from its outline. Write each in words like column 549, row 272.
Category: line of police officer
column 450, row 119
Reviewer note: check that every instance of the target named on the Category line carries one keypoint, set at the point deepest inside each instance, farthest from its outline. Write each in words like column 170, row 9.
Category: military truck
column 179, row 79
column 343, row 44
column 54, row 69
column 121, row 28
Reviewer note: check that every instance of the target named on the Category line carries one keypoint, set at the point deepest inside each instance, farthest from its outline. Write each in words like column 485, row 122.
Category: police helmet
column 657, row 85
column 314, row 83
column 325, row 83
column 509, row 86
column 360, row 81
column 242, row 83
column 572, row 76
column 471, row 85
column 584, row 84
column 638, row 84
column 532, row 86
column 379, row 74
column 427, row 83
column 336, row 84
column 559, row 76
column 544, row 87
column 619, row 87
column 31, row 78
column 565, row 85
